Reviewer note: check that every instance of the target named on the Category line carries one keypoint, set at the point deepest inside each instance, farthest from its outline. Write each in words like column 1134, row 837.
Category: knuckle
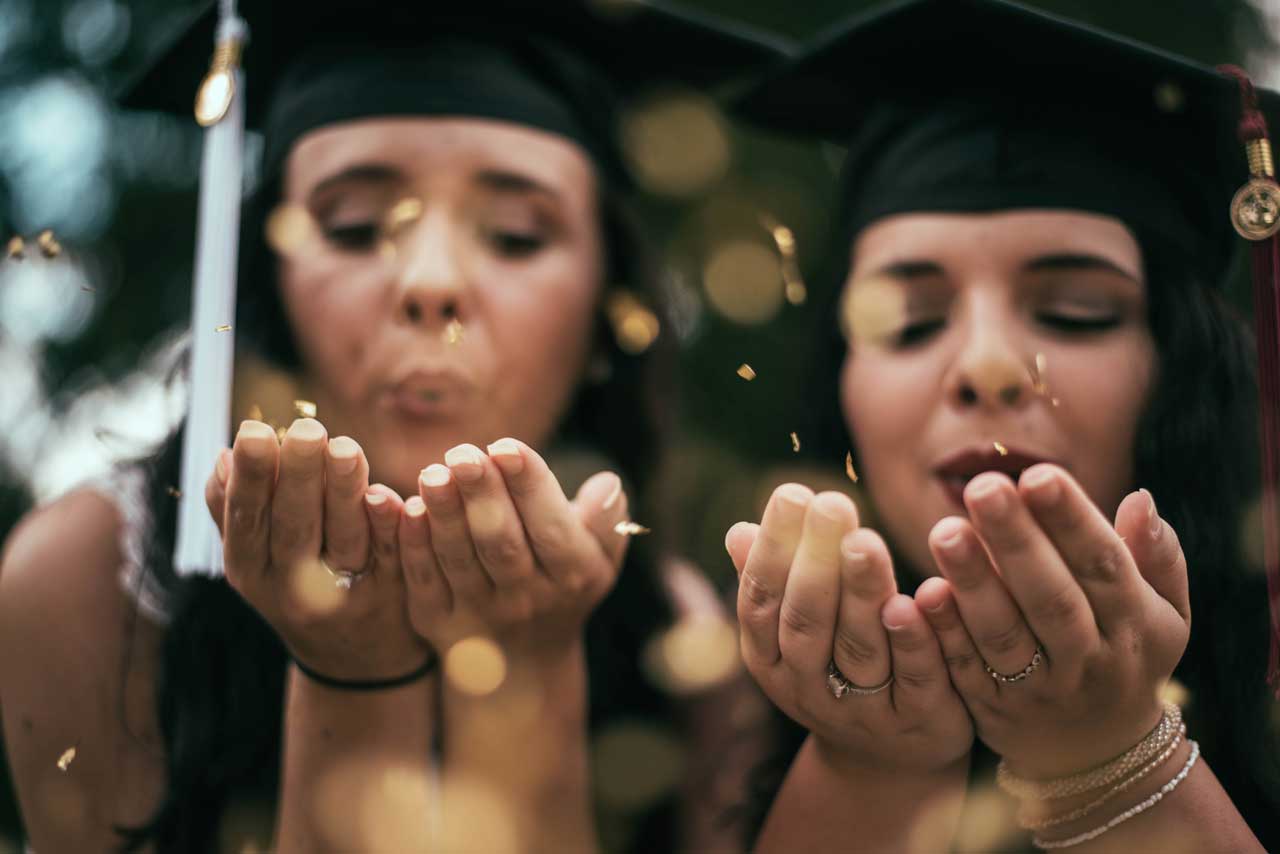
column 799, row 620
column 291, row 536
column 855, row 650
column 912, row 678
column 755, row 590
column 961, row 662
column 552, row 536
column 1105, row 564
column 1004, row 639
column 502, row 550
column 1057, row 609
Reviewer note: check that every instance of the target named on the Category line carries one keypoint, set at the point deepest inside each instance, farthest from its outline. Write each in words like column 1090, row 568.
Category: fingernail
column 415, row 506
column 466, row 462
column 1154, row 525
column 434, row 475
column 989, row 497
column 614, row 494
column 951, row 541
column 375, row 499
column 343, row 454
column 220, row 467
column 934, row 609
column 506, row 455
column 1043, row 484
column 306, row 429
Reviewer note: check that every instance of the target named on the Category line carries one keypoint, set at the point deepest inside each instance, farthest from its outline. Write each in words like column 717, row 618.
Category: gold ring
column 1007, row 678
column 840, row 687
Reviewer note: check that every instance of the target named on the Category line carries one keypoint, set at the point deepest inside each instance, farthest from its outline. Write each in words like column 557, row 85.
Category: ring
column 343, row 578
column 840, row 686
column 1021, row 674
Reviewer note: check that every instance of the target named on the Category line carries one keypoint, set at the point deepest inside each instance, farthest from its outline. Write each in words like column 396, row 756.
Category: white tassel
column 198, row 549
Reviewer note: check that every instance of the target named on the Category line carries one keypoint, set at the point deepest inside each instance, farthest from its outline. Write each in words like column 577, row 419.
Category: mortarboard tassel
column 1255, row 213
column 220, row 109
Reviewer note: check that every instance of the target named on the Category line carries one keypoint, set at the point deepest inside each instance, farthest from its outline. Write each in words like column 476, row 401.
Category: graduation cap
column 969, row 106
column 290, row 66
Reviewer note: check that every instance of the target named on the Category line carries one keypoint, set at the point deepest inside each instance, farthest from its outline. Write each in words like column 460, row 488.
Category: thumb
column 215, row 489
column 738, row 542
column 1155, row 549
column 601, row 503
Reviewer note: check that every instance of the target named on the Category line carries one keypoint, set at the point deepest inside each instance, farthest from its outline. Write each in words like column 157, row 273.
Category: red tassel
column 1266, row 306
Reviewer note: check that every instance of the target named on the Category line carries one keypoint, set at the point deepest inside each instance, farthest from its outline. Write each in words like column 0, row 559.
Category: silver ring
column 1008, row 678
column 840, row 686
column 343, row 578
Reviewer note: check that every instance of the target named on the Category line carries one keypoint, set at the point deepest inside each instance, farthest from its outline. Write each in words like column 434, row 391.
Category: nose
column 991, row 370
column 431, row 282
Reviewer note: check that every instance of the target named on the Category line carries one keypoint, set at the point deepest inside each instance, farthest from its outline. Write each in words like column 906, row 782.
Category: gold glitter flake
column 402, row 213
column 746, row 372
column 68, row 756
column 848, row 466
column 1000, row 449
column 49, row 245
column 454, row 332
column 174, row 491
column 255, row 413
column 304, row 408
column 226, row 327
column 1037, row 375
column 630, row 529
column 795, row 442
column 16, row 249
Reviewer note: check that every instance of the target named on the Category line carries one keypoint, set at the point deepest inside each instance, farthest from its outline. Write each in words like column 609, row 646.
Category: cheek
column 333, row 317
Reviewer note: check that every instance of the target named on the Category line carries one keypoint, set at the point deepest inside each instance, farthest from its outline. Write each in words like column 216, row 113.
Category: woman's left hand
column 491, row 546
column 1083, row 622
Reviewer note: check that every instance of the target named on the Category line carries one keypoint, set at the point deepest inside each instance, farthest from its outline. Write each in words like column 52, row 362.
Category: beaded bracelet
column 1095, row 778
column 1137, row 809
column 1094, row 805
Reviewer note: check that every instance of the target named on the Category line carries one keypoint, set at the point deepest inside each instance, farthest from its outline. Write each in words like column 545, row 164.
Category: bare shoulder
column 77, row 668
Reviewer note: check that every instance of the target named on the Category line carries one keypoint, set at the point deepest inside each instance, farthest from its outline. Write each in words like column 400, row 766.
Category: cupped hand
column 492, row 546
column 1081, row 622
column 313, row 548
column 815, row 588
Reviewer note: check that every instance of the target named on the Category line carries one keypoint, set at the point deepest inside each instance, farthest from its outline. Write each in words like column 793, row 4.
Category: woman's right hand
column 491, row 546
column 814, row 587
column 295, row 516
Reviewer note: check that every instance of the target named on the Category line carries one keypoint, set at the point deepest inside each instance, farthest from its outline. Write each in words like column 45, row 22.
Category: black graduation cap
column 289, row 66
column 983, row 105
column 971, row 105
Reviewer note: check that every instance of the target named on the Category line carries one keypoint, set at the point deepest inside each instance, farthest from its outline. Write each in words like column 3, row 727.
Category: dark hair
column 220, row 691
column 1197, row 453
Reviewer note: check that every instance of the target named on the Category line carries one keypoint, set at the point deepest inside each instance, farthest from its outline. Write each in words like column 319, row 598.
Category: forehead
column 423, row 147
column 1002, row 237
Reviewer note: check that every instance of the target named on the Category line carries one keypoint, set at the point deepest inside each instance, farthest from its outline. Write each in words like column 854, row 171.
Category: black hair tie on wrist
column 369, row 684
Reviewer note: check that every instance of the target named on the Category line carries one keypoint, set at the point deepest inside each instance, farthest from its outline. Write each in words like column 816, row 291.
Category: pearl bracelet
column 1137, row 809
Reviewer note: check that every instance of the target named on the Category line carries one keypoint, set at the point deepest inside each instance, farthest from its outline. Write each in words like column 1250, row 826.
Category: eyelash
column 353, row 237
column 914, row 334
column 514, row 244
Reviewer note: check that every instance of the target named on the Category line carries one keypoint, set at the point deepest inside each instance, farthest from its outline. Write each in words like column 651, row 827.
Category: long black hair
column 221, row 684
column 1197, row 452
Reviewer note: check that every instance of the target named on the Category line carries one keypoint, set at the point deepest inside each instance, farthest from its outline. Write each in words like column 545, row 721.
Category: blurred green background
column 119, row 191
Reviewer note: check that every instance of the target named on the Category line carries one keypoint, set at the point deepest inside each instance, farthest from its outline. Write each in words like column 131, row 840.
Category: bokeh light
column 695, row 654
column 635, row 764
column 475, row 666
column 677, row 144
column 743, row 282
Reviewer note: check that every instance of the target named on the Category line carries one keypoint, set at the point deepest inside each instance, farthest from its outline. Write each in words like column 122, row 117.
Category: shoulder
column 69, row 648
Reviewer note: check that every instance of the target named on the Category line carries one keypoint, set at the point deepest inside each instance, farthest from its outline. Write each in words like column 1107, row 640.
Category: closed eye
column 353, row 237
column 1078, row 325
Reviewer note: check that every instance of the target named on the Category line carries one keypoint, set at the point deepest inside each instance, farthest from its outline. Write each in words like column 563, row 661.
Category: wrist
column 1068, row 757
column 890, row 772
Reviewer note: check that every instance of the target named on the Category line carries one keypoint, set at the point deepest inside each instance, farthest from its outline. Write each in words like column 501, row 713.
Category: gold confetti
column 785, row 239
column 635, row 326
column 280, row 431
column 16, row 249
column 848, row 466
column 454, row 332
column 226, row 327
column 49, row 246
column 290, row 229
column 174, row 491
column 67, row 757
column 304, row 408
column 629, row 529
column 795, row 442
column 475, row 666
column 1001, row 449
column 746, row 372
column 1038, row 369
column 255, row 412
column 1175, row 692
column 402, row 213
column 873, row 309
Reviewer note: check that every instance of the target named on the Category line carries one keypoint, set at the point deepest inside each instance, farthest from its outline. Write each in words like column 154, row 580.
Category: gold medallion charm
column 1255, row 210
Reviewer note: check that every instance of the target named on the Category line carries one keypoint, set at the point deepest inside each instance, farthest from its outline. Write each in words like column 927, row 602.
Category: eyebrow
column 910, row 269
column 513, row 182
column 372, row 173
column 1077, row 262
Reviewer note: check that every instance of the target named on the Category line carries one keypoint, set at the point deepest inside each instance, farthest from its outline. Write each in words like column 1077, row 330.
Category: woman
column 459, row 189
column 1033, row 349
